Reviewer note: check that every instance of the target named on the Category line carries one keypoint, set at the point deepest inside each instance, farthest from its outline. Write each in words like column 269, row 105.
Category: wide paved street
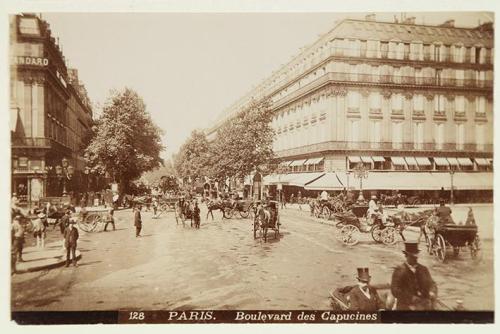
column 221, row 266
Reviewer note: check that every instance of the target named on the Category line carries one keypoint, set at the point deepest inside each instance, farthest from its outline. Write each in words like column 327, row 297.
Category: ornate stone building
column 50, row 113
column 403, row 97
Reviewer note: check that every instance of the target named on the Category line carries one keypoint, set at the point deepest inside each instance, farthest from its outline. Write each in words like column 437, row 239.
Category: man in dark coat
column 412, row 284
column 137, row 221
column 364, row 297
column 70, row 238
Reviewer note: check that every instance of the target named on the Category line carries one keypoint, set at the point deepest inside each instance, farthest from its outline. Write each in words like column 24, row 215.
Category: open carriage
column 90, row 220
column 451, row 237
column 241, row 207
column 267, row 218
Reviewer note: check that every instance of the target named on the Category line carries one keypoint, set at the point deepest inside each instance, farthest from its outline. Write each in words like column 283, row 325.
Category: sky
column 188, row 67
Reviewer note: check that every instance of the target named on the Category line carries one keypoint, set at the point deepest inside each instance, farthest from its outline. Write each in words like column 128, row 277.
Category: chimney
column 410, row 20
column 448, row 24
column 370, row 17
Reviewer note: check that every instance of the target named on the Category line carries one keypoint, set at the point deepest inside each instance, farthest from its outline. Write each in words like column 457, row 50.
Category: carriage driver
column 444, row 214
column 323, row 197
column 372, row 208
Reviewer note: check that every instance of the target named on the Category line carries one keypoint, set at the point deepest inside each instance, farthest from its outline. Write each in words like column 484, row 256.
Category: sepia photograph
column 251, row 167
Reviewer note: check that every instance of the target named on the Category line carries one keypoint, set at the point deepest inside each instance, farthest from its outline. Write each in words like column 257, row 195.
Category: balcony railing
column 411, row 80
column 383, row 146
column 31, row 142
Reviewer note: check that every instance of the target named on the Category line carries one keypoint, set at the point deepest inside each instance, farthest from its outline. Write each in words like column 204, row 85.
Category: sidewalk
column 43, row 258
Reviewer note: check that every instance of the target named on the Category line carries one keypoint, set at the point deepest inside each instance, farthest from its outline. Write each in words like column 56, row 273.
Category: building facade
column 50, row 113
column 391, row 96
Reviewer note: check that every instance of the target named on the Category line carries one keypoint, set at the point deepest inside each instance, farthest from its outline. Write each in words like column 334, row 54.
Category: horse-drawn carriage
column 90, row 220
column 241, row 207
column 441, row 238
column 266, row 218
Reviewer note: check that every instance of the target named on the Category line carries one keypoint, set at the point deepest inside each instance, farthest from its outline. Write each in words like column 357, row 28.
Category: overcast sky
column 189, row 67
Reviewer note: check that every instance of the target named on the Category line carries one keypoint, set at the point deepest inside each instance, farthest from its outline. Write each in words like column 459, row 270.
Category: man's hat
column 411, row 248
column 363, row 274
column 374, row 197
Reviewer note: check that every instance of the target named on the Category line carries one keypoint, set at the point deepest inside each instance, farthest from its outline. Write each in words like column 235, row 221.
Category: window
column 397, row 103
column 393, row 48
column 353, row 132
column 480, row 105
column 439, row 104
column 418, row 135
column 353, row 101
column 354, row 48
column 459, row 105
column 384, row 49
column 373, row 48
column 375, row 134
column 375, row 102
column 460, row 135
column 29, row 26
column 397, row 134
column 439, row 135
column 353, row 70
column 480, row 137
column 460, row 76
column 418, row 103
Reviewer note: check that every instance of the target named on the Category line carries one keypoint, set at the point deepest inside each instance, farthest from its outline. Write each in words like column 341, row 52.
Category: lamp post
column 361, row 173
column 64, row 172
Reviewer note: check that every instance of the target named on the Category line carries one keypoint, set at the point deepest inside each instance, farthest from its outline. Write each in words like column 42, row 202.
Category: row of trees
column 242, row 145
column 125, row 142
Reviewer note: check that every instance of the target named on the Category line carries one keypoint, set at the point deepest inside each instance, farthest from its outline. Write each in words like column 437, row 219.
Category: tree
column 244, row 143
column 194, row 157
column 126, row 141
column 153, row 176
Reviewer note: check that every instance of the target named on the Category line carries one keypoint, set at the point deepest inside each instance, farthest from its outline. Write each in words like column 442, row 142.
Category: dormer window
column 29, row 26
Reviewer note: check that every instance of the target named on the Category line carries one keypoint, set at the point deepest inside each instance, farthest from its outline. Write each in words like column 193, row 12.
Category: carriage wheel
column 244, row 214
column 90, row 223
column 227, row 213
column 441, row 248
column 376, row 233
column 326, row 212
column 475, row 247
column 388, row 236
column 349, row 235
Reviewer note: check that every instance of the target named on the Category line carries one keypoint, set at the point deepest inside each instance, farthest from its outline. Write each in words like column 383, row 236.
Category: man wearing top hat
column 364, row 297
column 412, row 284
column 71, row 236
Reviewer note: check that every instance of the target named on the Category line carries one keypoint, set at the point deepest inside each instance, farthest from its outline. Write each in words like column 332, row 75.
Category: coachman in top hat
column 412, row 284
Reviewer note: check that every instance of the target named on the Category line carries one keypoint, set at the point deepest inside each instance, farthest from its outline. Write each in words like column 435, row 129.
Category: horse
column 215, row 205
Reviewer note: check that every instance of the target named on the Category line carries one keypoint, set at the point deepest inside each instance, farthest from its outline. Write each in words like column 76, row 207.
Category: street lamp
column 64, row 172
column 361, row 173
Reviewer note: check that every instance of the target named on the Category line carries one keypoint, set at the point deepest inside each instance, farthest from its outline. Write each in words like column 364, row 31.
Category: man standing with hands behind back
column 70, row 238
column 137, row 220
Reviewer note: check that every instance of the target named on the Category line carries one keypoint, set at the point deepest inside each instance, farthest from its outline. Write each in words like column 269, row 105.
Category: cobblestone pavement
column 222, row 266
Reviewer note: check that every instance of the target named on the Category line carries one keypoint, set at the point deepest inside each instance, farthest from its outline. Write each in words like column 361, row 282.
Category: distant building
column 51, row 114
column 394, row 97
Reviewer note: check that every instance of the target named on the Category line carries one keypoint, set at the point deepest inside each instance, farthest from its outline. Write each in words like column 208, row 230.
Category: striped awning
column 367, row 159
column 314, row 161
column 464, row 161
column 421, row 161
column 453, row 161
column 411, row 161
column 354, row 159
column 378, row 159
column 398, row 161
column 441, row 162
column 482, row 162
column 297, row 163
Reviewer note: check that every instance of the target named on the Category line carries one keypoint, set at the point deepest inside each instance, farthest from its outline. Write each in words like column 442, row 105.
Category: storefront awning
column 473, row 181
column 354, row 159
column 378, row 159
column 405, row 181
column 297, row 163
column 482, row 162
column 366, row 159
column 328, row 181
column 411, row 161
column 464, row 161
column 285, row 163
column 441, row 162
column 421, row 161
column 453, row 161
column 314, row 161
column 398, row 161
column 302, row 179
